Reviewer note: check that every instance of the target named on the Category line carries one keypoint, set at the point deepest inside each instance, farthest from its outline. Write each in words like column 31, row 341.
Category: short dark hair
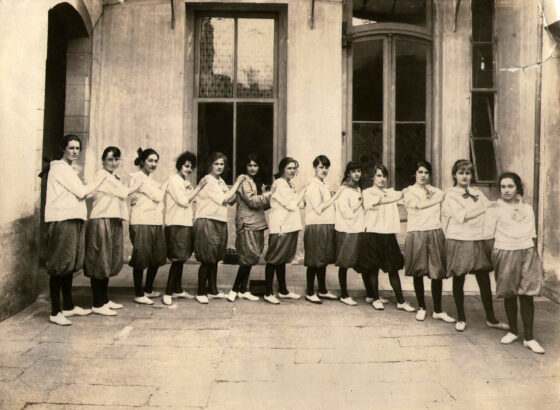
column 284, row 162
column 143, row 156
column 424, row 164
column 351, row 166
column 183, row 158
column 459, row 164
column 116, row 152
column 516, row 180
column 382, row 168
column 323, row 160
column 214, row 156
column 66, row 140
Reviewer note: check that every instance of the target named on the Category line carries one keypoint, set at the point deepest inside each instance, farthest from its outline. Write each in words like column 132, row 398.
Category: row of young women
column 351, row 228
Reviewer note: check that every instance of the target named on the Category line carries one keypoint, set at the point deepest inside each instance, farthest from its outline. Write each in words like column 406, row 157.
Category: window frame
column 191, row 99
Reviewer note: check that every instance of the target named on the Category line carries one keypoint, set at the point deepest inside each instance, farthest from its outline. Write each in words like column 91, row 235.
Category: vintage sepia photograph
column 279, row 204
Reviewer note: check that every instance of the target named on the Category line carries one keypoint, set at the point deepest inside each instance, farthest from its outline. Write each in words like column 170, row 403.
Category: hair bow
column 467, row 195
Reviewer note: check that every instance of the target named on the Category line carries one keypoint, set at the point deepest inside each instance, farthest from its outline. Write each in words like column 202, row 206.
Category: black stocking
column 342, row 280
column 510, row 305
column 527, row 315
column 437, row 288
column 395, row 282
column 418, row 282
column 459, row 296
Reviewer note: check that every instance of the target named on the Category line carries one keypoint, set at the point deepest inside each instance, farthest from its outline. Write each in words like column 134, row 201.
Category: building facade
column 373, row 80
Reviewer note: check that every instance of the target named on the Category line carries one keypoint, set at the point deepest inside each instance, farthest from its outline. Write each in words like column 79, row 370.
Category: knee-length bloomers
column 517, row 265
column 146, row 224
column 250, row 223
column 349, row 226
column 468, row 245
column 379, row 248
column 284, row 224
column 424, row 249
column 319, row 235
column 179, row 235
column 65, row 213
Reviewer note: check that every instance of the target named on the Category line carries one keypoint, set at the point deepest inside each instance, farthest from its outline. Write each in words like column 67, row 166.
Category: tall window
column 389, row 72
column 236, row 89
column 483, row 144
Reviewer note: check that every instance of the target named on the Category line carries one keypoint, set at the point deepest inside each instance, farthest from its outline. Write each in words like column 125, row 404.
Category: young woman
column 468, row 247
column 250, row 224
column 379, row 248
column 319, row 236
column 104, row 232
column 65, row 213
column 146, row 226
column 178, row 224
column 516, row 263
column 210, row 226
column 424, row 249
column 348, row 225
column 284, row 227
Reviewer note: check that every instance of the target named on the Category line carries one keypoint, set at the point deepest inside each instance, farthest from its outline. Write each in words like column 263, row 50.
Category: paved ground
column 251, row 355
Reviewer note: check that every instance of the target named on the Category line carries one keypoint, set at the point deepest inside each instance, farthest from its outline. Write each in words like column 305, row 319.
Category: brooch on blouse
column 467, row 195
column 429, row 194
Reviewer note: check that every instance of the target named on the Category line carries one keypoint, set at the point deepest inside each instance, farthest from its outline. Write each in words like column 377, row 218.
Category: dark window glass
column 367, row 148
column 215, row 133
column 482, row 20
column 483, row 66
column 410, row 146
column 255, row 135
column 483, row 155
column 410, row 82
column 367, row 81
column 388, row 11
column 482, row 115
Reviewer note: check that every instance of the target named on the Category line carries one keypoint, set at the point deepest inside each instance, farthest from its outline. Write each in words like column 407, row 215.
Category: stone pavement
column 252, row 355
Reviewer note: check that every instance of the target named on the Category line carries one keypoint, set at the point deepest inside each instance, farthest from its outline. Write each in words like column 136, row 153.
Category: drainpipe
column 537, row 148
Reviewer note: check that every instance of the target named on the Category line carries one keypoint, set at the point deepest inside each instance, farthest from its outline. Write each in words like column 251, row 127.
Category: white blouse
column 346, row 219
column 109, row 200
column 513, row 225
column 210, row 200
column 65, row 193
column 455, row 207
column 146, row 205
column 421, row 219
column 316, row 193
column 382, row 218
column 284, row 214
column 178, row 210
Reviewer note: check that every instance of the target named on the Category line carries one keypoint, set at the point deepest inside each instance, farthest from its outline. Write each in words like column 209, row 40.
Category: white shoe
column 152, row 294
column 509, row 338
column 231, row 296
column 534, row 346
column 183, row 295
column 167, row 300
column 103, row 310
column 77, row 311
column 383, row 300
column 348, row 301
column 289, row 295
column 313, row 299
column 406, row 307
column 60, row 319
column 143, row 300
column 271, row 299
column 378, row 305
column 219, row 295
column 443, row 316
column 369, row 300
column 460, row 326
column 248, row 296
column 113, row 305
column 328, row 295
column 421, row 314
column 499, row 325
column 203, row 299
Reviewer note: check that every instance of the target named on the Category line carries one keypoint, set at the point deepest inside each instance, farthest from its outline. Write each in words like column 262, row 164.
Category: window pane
column 389, row 11
column 482, row 115
column 216, row 57
column 255, row 58
column 482, row 19
column 483, row 66
column 255, row 135
column 484, row 158
column 367, row 148
column 367, row 81
column 215, row 133
column 410, row 81
column 410, row 146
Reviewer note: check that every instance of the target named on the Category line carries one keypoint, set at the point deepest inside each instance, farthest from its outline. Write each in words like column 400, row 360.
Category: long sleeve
column 370, row 198
column 284, row 195
column 176, row 188
column 344, row 206
column 70, row 180
column 111, row 187
column 151, row 191
column 249, row 196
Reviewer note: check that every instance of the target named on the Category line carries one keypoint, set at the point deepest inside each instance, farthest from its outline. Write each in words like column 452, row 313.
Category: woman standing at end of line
column 284, row 227
column 146, row 226
column 65, row 213
column 250, row 224
column 424, row 249
column 179, row 237
column 210, row 226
